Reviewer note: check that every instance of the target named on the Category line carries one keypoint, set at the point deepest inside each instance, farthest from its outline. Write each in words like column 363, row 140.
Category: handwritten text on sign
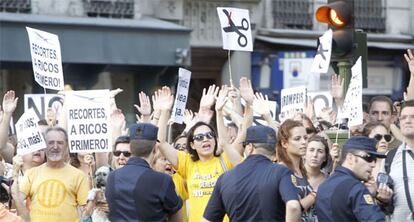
column 46, row 59
column 88, row 114
column 29, row 137
column 184, row 77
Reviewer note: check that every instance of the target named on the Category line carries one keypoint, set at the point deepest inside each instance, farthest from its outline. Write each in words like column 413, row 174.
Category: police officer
column 135, row 192
column 344, row 196
column 257, row 189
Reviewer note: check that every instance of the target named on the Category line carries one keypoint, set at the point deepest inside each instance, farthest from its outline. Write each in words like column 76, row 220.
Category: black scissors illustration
column 233, row 28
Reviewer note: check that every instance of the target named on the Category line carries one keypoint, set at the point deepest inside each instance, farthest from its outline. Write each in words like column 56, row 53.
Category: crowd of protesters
column 227, row 171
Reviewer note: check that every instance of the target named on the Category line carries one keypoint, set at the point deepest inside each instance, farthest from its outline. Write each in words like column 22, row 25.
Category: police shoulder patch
column 368, row 199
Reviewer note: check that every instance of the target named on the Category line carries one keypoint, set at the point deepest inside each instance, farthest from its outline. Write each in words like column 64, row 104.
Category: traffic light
column 339, row 15
column 348, row 44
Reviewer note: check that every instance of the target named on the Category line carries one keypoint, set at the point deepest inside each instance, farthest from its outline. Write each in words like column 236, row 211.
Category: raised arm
column 144, row 108
column 165, row 102
column 18, row 196
column 337, row 90
column 409, row 58
column 223, row 138
column 262, row 104
column 9, row 105
column 207, row 101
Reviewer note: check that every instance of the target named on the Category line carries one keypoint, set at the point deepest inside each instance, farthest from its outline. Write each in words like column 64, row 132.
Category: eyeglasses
column 368, row 158
column 180, row 146
column 387, row 137
column 117, row 153
column 200, row 136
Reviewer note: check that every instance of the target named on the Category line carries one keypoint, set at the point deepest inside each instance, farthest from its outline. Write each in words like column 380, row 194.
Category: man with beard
column 56, row 189
column 342, row 197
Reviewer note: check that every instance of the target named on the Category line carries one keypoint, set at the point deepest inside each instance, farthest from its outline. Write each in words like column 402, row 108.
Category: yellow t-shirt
column 55, row 193
column 201, row 177
column 181, row 189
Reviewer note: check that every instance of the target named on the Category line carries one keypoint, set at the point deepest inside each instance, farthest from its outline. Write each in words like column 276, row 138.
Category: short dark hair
column 380, row 99
column 267, row 148
column 142, row 148
column 190, row 134
column 408, row 103
column 121, row 139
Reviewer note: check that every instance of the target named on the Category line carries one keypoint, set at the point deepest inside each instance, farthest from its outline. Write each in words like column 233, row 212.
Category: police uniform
column 343, row 197
column 256, row 189
column 135, row 192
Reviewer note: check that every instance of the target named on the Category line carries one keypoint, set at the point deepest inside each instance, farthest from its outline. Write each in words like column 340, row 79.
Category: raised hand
column 222, row 97
column 145, row 104
column 188, row 117
column 209, row 97
column 261, row 104
column 165, row 99
column 117, row 119
column 409, row 58
column 9, row 102
column 337, row 86
column 246, row 90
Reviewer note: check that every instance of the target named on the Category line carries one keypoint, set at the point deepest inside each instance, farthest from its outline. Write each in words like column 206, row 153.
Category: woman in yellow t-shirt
column 202, row 165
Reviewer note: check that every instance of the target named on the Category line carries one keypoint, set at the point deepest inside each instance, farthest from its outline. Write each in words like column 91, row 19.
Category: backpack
column 389, row 159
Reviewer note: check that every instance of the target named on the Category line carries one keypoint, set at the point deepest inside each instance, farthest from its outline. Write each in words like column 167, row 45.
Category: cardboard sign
column 29, row 137
column 46, row 59
column 88, row 116
column 320, row 100
column 323, row 55
column 292, row 101
column 184, row 77
column 41, row 102
column 235, row 29
column 353, row 98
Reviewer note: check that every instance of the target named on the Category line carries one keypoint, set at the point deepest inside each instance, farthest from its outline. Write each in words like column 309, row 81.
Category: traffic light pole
column 344, row 71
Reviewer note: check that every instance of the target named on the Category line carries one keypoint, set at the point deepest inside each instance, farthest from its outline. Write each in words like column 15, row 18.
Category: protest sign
column 41, row 102
column 353, row 98
column 320, row 100
column 29, row 137
column 184, row 77
column 322, row 58
column 88, row 115
column 46, row 59
column 235, row 29
column 292, row 101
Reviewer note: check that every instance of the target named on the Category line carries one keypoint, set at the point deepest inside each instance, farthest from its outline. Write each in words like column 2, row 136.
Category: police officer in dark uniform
column 256, row 189
column 343, row 197
column 135, row 192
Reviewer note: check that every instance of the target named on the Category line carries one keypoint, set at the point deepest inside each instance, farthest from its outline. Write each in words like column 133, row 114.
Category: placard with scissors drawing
column 235, row 29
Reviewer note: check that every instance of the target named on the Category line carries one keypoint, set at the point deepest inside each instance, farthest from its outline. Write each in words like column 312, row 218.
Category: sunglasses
column 201, row 136
column 180, row 146
column 117, row 153
column 387, row 137
column 368, row 158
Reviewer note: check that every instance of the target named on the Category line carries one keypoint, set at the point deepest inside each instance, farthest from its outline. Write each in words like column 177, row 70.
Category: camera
column 385, row 179
column 4, row 194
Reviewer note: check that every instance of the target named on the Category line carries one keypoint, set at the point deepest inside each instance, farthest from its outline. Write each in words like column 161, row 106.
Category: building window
column 109, row 8
column 293, row 14
column 16, row 6
column 370, row 15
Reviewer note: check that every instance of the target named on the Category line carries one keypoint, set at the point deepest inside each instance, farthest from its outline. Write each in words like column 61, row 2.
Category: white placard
column 29, row 137
column 320, row 100
column 46, row 59
column 184, row 77
column 235, row 29
column 292, row 101
column 323, row 55
column 41, row 102
column 353, row 98
column 88, row 116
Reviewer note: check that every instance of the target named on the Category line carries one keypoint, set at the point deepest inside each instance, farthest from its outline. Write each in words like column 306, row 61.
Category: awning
column 145, row 41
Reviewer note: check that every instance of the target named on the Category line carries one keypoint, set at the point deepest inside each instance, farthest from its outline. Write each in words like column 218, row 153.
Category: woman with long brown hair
column 290, row 151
